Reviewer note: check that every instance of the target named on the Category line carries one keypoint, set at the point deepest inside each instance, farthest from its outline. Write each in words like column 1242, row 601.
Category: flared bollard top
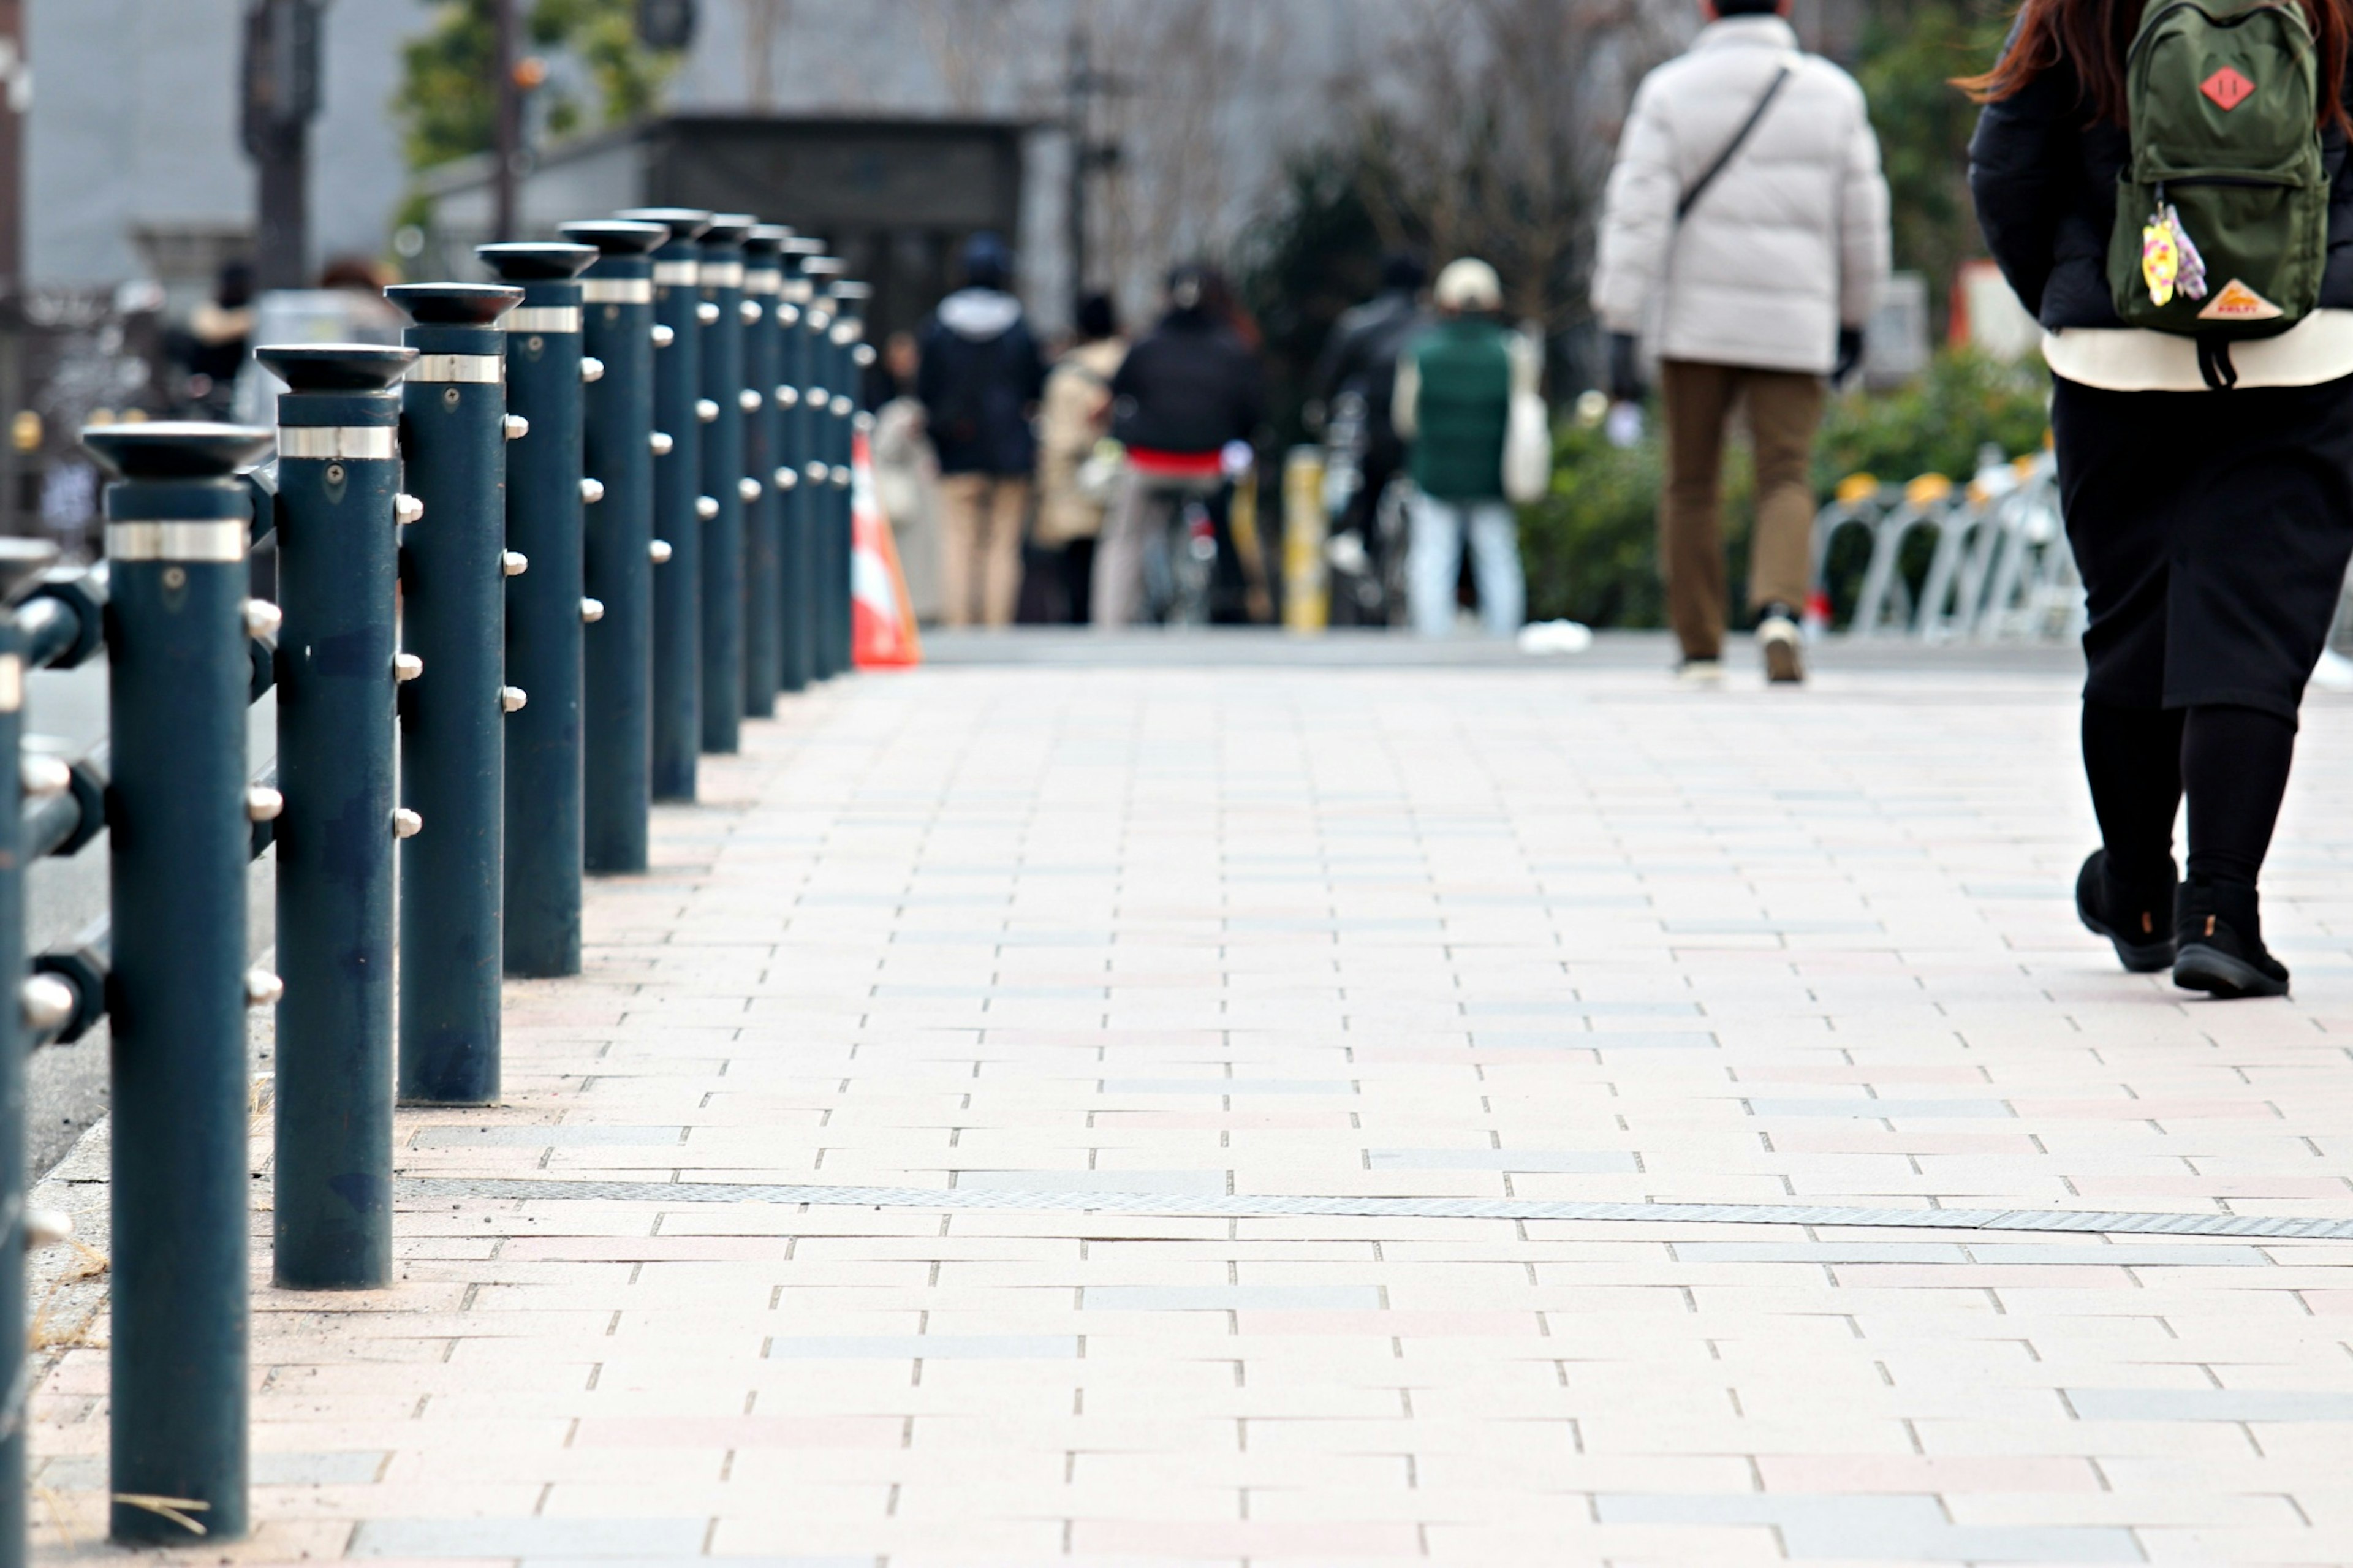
column 686, row 225
column 336, row 367
column 454, row 305
column 766, row 239
column 541, row 262
column 615, row 237
column 171, row 451
column 728, row 231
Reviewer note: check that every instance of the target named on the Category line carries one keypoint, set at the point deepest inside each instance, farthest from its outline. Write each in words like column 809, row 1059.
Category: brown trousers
column 981, row 517
column 1784, row 411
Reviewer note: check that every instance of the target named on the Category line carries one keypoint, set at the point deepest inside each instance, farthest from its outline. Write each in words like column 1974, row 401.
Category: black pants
column 2212, row 531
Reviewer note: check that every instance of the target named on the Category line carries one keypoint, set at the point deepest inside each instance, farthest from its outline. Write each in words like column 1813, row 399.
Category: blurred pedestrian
column 1746, row 227
column 213, row 349
column 907, row 471
column 1452, row 405
column 1360, row 362
column 1183, row 395
column 2202, row 352
column 1074, row 421
column 980, row 376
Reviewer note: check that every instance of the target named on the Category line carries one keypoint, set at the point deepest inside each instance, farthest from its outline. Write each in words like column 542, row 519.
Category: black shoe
column 2220, row 928
column 2135, row 919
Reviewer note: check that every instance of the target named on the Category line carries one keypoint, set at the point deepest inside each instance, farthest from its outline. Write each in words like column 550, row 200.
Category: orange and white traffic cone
column 882, row 617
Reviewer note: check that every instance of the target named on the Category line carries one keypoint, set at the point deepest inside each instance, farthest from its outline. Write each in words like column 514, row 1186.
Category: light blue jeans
column 1435, row 561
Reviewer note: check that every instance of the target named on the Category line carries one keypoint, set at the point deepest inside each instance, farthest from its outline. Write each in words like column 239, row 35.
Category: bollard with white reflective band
column 179, row 676
column 453, row 731
column 722, row 410
column 337, row 510
column 22, row 561
column 546, row 513
column 616, row 716
column 823, row 391
column 798, row 355
column 847, row 344
column 677, row 488
column 763, row 595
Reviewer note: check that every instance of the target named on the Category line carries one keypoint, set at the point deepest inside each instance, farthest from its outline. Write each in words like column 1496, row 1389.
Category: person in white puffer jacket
column 1751, row 276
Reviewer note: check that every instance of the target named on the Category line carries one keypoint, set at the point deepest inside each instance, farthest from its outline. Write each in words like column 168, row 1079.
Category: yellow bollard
column 1306, row 581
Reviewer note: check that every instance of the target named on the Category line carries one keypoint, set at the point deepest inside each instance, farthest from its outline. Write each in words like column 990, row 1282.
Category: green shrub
column 1591, row 545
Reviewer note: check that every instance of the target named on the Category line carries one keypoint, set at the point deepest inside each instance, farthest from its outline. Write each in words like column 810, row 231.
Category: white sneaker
column 1703, row 672
column 1778, row 638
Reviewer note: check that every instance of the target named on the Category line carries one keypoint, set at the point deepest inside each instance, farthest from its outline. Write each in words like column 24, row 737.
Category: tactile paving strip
column 2081, row 1222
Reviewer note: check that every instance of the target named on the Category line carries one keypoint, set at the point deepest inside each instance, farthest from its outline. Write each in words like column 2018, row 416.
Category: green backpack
column 2223, row 213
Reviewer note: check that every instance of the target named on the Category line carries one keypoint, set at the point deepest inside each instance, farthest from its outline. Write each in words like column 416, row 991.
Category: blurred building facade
column 134, row 163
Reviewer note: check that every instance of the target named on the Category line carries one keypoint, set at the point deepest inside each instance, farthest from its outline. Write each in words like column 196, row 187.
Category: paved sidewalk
column 1186, row 942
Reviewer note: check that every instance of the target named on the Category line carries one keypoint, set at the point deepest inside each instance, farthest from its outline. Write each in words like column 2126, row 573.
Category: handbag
column 1527, row 428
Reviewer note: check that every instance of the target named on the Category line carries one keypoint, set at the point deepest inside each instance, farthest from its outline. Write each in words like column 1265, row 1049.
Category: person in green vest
column 1453, row 406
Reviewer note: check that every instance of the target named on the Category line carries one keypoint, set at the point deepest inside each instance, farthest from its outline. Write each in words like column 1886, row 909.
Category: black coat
column 1191, row 387
column 2045, row 176
column 977, row 394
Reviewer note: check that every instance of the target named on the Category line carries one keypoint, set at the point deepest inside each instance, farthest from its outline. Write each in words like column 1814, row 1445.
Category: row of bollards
column 532, row 565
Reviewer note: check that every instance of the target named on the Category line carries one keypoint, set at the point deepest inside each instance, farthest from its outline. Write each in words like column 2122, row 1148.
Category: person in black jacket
column 978, row 379
column 2212, row 527
column 1360, row 360
column 1180, row 399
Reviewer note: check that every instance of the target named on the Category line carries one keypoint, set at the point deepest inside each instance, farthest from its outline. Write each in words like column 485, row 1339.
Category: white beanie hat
column 1469, row 284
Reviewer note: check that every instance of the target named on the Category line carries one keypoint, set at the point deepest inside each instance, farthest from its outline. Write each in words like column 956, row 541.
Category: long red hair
column 2096, row 36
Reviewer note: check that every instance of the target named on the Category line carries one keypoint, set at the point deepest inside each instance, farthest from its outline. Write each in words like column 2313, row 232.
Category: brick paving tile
column 1172, row 939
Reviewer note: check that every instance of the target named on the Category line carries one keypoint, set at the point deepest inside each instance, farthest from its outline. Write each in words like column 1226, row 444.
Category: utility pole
column 508, row 145
column 16, row 98
column 1088, row 155
column 282, row 98
column 1082, row 78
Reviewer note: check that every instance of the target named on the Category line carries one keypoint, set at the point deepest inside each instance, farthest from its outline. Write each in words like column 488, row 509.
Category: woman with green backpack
column 2164, row 183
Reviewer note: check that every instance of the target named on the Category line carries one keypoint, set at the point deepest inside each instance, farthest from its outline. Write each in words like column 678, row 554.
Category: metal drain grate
column 2080, row 1222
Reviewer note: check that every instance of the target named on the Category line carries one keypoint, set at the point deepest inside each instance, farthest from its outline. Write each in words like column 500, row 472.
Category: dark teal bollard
column 849, row 351
column 545, row 604
column 721, row 412
column 617, row 721
column 454, row 429
column 763, row 501
column 178, row 681
column 798, row 372
column 823, row 392
column 338, row 510
column 21, row 563
column 680, row 506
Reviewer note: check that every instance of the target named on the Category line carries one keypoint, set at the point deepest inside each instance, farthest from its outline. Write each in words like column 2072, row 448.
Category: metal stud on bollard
column 678, row 486
column 178, row 675
column 798, row 371
column 338, row 558
column 762, row 594
column 849, row 351
column 616, row 719
column 453, row 740
column 21, row 563
column 722, row 411
column 823, row 389
column 545, row 634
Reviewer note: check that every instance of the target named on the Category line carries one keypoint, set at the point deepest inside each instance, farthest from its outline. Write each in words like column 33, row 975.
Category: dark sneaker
column 2137, row 920
column 2220, row 928
column 1782, row 644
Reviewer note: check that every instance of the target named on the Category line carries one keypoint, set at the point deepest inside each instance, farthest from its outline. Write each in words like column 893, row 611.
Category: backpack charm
column 2160, row 260
column 2190, row 280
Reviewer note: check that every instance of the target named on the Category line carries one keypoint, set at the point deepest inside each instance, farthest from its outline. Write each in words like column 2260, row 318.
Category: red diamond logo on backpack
column 2227, row 89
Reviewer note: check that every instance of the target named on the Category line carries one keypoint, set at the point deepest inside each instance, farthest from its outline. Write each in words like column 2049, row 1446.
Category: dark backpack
column 2222, row 210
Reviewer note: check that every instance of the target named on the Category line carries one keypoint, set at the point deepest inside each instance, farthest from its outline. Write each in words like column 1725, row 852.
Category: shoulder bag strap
column 1739, row 139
